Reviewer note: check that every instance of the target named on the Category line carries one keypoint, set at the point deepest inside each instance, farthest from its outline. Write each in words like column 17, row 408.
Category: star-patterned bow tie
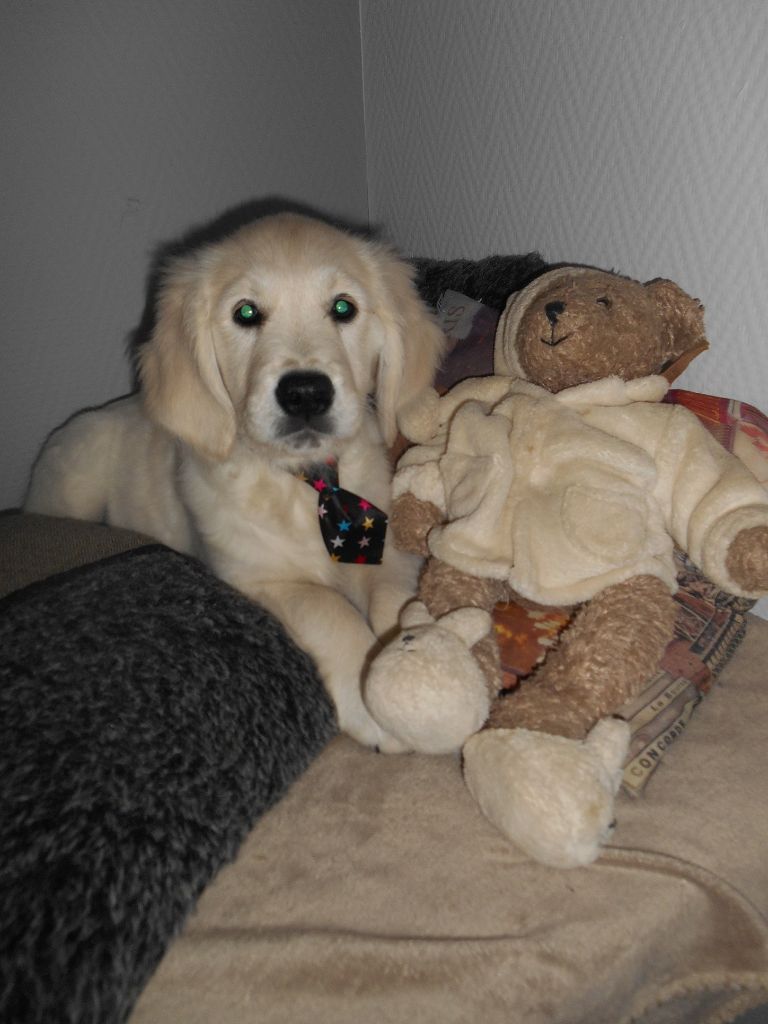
column 352, row 528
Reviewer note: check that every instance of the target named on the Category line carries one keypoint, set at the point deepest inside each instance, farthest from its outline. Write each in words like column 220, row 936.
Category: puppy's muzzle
column 305, row 396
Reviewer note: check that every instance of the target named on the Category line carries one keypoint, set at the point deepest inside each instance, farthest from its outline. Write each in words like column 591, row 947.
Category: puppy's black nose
column 553, row 310
column 304, row 393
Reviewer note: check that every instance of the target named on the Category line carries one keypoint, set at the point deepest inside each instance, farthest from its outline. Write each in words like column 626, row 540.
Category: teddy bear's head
column 574, row 325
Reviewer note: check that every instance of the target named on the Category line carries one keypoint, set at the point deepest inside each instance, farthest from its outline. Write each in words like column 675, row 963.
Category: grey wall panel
column 124, row 123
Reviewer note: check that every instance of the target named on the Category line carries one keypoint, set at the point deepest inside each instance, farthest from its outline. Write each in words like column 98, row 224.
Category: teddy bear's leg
column 547, row 770
column 553, row 797
column 444, row 589
column 604, row 658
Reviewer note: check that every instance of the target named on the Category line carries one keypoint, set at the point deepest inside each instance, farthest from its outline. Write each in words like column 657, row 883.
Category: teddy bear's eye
column 604, row 301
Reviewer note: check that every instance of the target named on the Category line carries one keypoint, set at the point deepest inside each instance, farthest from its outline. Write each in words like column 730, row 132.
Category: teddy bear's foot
column 553, row 797
column 425, row 687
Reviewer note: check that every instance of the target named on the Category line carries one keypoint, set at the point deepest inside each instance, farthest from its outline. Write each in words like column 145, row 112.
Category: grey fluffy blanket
column 148, row 715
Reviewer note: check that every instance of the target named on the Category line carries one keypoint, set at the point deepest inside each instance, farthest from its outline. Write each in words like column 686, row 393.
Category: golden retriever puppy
column 286, row 345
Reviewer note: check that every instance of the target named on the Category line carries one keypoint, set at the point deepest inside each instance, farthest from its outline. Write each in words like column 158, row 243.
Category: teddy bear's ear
column 683, row 319
column 468, row 624
column 415, row 614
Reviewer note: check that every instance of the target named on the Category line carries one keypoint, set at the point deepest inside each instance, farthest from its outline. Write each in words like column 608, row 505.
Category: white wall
column 630, row 134
column 124, row 123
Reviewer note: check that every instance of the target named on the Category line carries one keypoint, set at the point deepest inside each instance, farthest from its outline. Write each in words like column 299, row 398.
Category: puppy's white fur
column 205, row 458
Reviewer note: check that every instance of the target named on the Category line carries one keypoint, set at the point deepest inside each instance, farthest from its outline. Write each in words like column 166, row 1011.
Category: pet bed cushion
column 148, row 716
column 376, row 893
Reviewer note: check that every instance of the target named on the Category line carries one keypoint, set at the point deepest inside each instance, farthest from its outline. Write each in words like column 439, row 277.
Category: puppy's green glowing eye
column 343, row 309
column 247, row 315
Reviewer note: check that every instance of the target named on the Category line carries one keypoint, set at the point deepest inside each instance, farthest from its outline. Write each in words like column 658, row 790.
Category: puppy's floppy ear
column 181, row 381
column 413, row 344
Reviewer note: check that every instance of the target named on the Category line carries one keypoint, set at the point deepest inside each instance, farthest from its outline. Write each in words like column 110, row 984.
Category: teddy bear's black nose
column 553, row 310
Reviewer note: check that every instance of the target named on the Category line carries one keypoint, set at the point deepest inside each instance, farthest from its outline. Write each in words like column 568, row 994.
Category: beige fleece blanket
column 376, row 892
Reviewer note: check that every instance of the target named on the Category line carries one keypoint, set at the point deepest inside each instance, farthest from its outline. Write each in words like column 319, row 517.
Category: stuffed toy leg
column 546, row 767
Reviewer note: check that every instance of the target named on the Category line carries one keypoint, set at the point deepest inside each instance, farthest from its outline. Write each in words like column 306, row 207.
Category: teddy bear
column 562, row 479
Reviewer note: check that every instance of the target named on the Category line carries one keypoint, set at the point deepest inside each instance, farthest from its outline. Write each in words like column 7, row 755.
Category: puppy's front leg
column 325, row 625
column 393, row 586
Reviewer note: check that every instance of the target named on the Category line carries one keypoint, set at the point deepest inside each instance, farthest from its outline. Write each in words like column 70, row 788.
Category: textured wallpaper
column 631, row 134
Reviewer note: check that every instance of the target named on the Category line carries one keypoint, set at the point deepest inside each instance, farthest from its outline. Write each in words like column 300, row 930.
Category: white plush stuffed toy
column 452, row 700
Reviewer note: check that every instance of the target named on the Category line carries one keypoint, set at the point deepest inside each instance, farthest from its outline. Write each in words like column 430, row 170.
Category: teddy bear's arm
column 418, row 499
column 411, row 519
column 712, row 501
column 747, row 559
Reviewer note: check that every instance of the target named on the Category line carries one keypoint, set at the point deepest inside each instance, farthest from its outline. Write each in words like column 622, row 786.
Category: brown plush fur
column 411, row 520
column 746, row 557
column 643, row 336
column 605, row 657
column 443, row 588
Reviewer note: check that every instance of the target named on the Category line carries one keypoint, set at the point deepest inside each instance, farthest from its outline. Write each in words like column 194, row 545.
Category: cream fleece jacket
column 563, row 495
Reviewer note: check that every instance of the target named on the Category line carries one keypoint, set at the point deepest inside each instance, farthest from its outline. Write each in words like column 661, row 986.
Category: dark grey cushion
column 149, row 714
